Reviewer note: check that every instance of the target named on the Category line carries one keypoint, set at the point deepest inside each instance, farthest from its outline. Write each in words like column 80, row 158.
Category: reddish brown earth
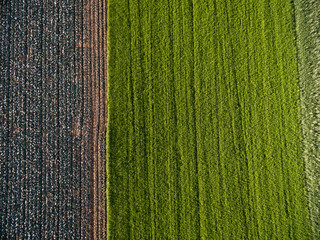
column 52, row 119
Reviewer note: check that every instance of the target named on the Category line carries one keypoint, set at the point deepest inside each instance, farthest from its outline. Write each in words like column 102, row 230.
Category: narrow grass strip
column 308, row 42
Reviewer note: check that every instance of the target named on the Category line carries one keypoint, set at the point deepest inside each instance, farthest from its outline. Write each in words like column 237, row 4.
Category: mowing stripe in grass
column 203, row 126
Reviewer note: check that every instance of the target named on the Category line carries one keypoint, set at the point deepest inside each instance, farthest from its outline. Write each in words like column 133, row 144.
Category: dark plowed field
column 52, row 119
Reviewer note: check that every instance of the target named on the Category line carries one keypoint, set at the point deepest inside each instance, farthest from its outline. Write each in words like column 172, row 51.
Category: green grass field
column 204, row 128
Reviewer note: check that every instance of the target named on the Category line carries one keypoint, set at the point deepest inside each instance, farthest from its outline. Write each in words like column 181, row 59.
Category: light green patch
column 308, row 42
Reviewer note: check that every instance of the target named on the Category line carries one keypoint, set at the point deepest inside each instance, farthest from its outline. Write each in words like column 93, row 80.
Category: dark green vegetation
column 308, row 33
column 204, row 121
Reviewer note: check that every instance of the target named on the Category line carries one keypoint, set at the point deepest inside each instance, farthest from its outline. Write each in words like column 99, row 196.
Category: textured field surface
column 308, row 42
column 52, row 130
column 204, row 127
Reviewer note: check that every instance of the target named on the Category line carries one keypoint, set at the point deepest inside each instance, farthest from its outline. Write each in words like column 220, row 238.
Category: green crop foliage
column 204, row 135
